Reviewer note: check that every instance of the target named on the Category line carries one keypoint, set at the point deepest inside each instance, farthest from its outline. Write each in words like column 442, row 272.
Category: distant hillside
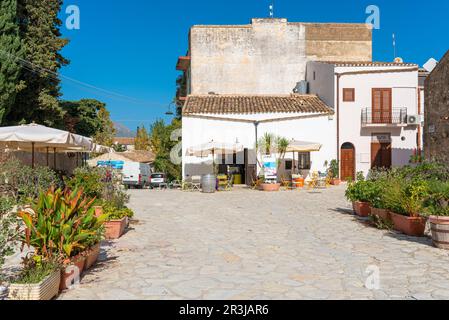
column 123, row 131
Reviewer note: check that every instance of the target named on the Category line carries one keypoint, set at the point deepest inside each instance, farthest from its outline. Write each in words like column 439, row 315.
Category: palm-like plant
column 266, row 143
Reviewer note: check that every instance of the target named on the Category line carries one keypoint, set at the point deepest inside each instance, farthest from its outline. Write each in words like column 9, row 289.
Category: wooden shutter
column 348, row 95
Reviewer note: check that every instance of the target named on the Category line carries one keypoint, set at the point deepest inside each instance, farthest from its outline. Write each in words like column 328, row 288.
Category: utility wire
column 30, row 66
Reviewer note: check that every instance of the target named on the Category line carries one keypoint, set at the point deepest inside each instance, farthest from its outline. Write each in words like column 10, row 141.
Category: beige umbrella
column 34, row 137
column 213, row 148
column 302, row 146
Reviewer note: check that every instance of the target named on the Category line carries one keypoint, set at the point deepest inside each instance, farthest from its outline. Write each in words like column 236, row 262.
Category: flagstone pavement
column 247, row 244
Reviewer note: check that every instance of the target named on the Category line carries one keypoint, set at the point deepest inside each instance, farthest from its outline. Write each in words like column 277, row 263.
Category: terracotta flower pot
column 440, row 231
column 362, row 209
column 47, row 289
column 92, row 256
column 411, row 226
column 115, row 228
column 271, row 187
column 335, row 182
column 98, row 211
column 72, row 272
column 384, row 214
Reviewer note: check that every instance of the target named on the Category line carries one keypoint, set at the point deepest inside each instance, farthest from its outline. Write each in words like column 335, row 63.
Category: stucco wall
column 436, row 133
column 198, row 131
column 269, row 56
column 404, row 95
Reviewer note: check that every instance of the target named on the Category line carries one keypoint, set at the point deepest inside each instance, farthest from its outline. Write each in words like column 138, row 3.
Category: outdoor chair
column 314, row 181
column 229, row 183
column 222, row 182
column 285, row 183
column 196, row 183
column 175, row 184
column 186, row 185
column 256, row 183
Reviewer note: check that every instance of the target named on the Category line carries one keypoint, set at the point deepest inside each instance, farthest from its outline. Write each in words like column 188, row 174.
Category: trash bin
column 209, row 183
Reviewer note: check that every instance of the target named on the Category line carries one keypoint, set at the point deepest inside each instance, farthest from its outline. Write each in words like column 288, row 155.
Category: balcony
column 397, row 118
column 183, row 63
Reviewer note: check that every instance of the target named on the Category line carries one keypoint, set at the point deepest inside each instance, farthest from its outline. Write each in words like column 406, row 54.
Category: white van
column 136, row 174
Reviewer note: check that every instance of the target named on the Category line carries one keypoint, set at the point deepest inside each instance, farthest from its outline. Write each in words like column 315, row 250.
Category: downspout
column 338, row 124
column 256, row 126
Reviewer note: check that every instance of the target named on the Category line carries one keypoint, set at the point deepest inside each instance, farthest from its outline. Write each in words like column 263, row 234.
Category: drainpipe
column 338, row 124
column 256, row 126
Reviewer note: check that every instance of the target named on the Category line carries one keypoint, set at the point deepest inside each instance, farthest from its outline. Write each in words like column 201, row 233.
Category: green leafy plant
column 9, row 228
column 334, row 169
column 114, row 213
column 363, row 191
column 35, row 270
column 380, row 223
column 90, row 180
column 437, row 203
column 61, row 224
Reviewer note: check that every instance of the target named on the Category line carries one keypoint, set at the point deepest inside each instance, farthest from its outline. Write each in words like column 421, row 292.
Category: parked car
column 136, row 175
column 158, row 180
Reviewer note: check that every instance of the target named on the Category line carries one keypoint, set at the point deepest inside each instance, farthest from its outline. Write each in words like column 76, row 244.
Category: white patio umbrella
column 213, row 148
column 303, row 146
column 35, row 137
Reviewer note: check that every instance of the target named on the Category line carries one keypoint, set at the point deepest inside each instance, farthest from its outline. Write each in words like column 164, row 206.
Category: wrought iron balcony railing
column 397, row 116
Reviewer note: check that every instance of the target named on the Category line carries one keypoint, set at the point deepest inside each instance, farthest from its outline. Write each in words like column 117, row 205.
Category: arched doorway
column 347, row 161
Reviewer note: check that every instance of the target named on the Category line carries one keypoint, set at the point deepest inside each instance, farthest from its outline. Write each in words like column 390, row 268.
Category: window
column 304, row 161
column 288, row 164
column 348, row 95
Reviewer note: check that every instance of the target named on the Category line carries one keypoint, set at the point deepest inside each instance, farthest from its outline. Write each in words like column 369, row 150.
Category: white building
column 241, row 119
column 377, row 109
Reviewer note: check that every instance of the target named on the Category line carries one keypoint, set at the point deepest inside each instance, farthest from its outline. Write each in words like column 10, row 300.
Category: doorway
column 347, row 162
column 381, row 155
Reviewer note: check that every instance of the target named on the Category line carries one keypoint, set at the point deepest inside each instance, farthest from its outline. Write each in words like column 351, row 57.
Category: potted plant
column 378, row 205
column 437, row 208
column 334, row 172
column 270, row 145
column 117, row 221
column 39, row 280
column 61, row 226
column 405, row 201
column 360, row 194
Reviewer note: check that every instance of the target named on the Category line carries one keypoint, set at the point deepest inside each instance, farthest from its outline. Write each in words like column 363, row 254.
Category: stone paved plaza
column 252, row 245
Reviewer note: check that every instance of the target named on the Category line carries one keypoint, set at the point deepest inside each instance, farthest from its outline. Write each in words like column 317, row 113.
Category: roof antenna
column 272, row 9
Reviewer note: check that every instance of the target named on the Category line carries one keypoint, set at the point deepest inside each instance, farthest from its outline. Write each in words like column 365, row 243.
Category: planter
column 92, row 256
column 440, row 231
column 98, row 211
column 271, row 187
column 411, row 226
column 115, row 228
column 384, row 214
column 335, row 182
column 362, row 209
column 45, row 290
column 72, row 272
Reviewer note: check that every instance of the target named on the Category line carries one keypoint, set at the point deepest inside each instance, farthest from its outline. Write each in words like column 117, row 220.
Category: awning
column 302, row 146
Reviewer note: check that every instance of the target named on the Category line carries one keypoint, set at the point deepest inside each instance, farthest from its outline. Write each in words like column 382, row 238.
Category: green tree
column 163, row 142
column 10, row 50
column 105, row 135
column 41, row 38
column 82, row 117
column 142, row 142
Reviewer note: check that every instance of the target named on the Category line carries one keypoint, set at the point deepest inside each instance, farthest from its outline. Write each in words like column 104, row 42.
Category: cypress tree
column 41, row 36
column 10, row 50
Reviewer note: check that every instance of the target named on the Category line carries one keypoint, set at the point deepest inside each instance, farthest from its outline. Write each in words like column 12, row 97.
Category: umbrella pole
column 32, row 154
column 294, row 164
column 213, row 160
column 54, row 158
column 47, row 156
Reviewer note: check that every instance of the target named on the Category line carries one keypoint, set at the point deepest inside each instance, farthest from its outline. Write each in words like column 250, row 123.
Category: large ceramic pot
column 335, row 182
column 47, row 289
column 411, row 226
column 271, row 187
column 440, row 231
column 384, row 214
column 71, row 272
column 115, row 228
column 362, row 209
column 92, row 256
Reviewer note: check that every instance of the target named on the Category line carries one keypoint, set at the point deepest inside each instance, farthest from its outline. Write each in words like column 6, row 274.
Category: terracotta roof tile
column 252, row 104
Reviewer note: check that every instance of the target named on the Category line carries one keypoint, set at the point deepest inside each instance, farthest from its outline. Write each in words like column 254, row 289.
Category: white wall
column 404, row 94
column 198, row 131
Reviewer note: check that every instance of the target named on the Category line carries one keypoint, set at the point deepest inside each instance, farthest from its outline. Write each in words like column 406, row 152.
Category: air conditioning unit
column 413, row 120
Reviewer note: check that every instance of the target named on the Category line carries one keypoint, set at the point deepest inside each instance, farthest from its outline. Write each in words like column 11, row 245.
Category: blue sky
column 131, row 47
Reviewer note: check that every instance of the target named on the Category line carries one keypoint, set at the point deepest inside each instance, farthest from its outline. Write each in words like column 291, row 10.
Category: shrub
column 114, row 213
column 334, row 169
column 9, row 228
column 363, row 191
column 437, row 203
column 25, row 182
column 90, row 180
column 35, row 270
